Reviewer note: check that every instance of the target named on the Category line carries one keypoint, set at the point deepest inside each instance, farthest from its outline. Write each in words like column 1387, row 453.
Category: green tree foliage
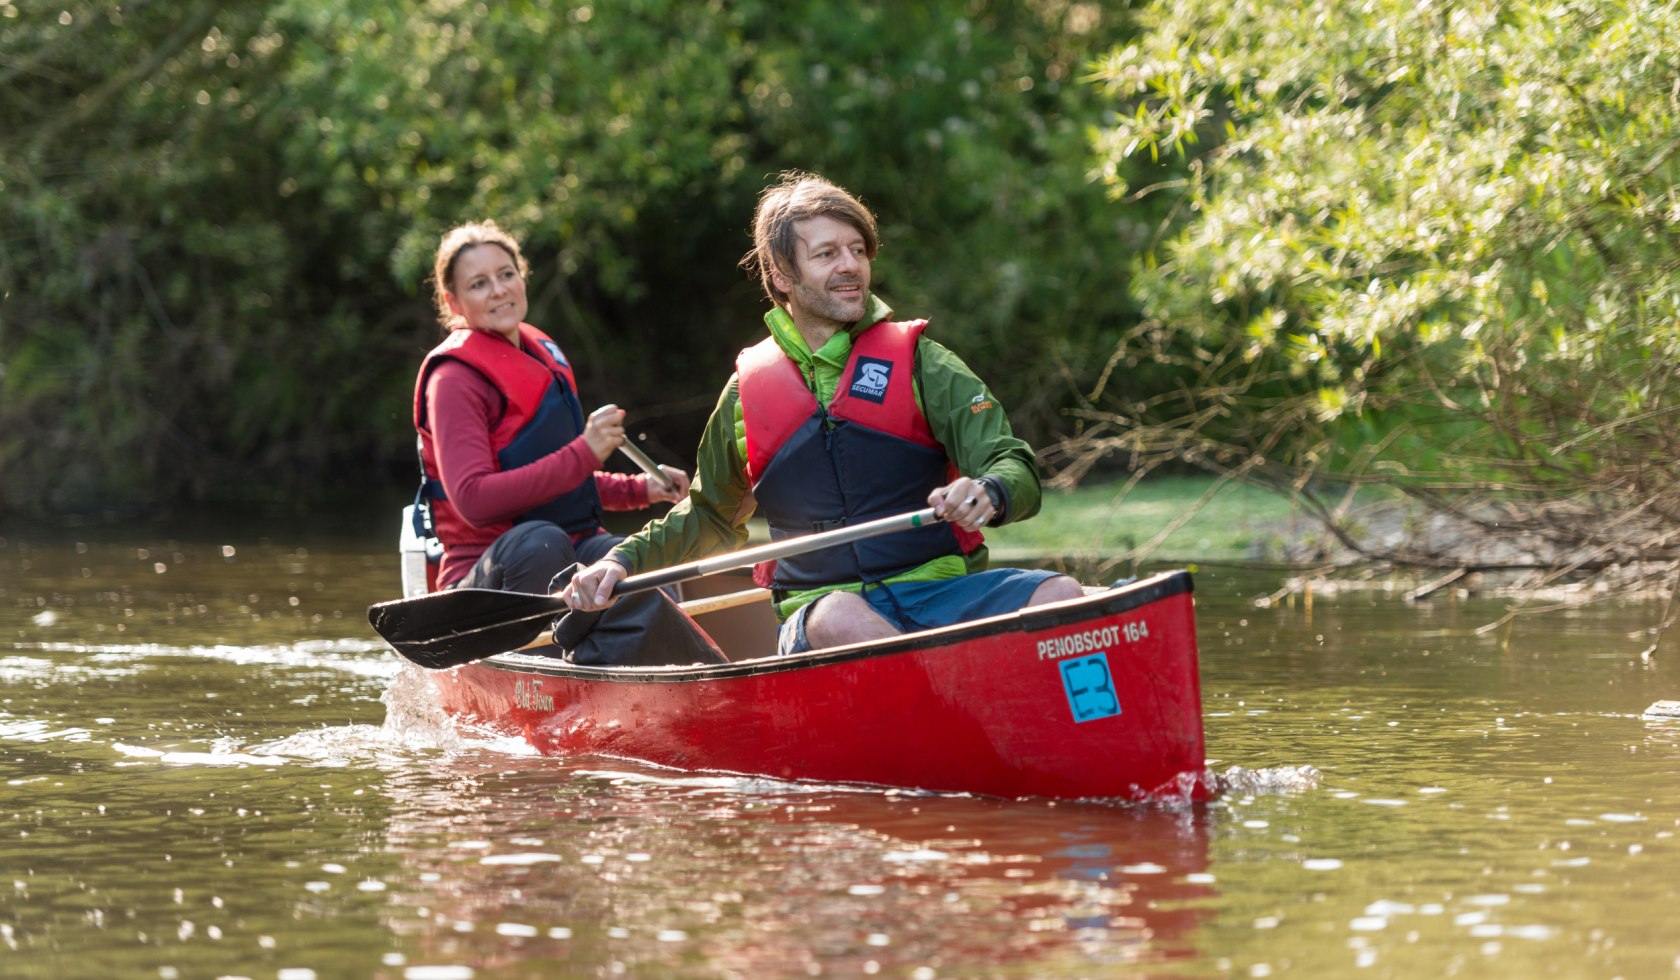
column 1431, row 245
column 140, row 280
column 217, row 218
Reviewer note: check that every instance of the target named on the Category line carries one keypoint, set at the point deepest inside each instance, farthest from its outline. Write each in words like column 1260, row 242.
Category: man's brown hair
column 797, row 197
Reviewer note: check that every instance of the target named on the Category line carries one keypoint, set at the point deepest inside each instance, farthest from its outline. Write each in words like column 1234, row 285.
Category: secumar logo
column 979, row 403
column 869, row 381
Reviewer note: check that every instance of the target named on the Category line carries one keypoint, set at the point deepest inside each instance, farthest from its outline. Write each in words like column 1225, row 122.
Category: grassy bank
column 1235, row 523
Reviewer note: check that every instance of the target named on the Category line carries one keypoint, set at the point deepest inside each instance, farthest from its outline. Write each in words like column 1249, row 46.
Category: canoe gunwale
column 1109, row 602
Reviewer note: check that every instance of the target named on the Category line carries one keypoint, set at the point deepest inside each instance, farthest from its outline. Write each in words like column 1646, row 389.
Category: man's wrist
column 999, row 496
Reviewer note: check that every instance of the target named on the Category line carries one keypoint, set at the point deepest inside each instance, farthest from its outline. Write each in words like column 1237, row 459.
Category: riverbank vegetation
column 1322, row 249
column 218, row 218
column 1423, row 248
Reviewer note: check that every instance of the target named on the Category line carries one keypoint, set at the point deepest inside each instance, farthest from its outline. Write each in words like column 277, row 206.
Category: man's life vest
column 870, row 454
column 540, row 414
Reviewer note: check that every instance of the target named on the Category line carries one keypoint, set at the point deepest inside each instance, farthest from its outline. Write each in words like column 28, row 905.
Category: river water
column 212, row 767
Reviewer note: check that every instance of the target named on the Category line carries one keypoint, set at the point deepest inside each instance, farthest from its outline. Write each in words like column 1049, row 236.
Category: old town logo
column 529, row 695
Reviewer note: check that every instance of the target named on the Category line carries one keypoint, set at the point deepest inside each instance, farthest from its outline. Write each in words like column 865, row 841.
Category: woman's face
column 487, row 291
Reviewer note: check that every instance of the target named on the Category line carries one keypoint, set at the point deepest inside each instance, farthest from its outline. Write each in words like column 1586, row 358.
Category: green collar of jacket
column 822, row 368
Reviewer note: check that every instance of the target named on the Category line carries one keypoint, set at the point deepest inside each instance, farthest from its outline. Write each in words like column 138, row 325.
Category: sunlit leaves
column 1448, row 205
column 1427, row 245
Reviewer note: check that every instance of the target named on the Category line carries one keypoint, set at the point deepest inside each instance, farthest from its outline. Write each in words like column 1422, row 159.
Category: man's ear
column 780, row 280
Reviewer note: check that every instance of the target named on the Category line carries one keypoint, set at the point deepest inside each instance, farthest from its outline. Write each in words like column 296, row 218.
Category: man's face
column 833, row 264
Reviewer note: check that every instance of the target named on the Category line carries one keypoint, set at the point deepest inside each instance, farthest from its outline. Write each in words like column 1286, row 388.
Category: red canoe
column 1092, row 698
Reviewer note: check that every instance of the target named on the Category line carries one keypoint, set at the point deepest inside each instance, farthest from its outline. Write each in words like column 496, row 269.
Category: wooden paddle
column 458, row 626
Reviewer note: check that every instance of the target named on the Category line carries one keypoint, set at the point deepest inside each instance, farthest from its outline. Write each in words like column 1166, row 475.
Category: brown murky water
column 212, row 768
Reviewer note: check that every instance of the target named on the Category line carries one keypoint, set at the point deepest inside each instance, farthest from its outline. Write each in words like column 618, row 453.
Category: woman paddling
column 511, row 465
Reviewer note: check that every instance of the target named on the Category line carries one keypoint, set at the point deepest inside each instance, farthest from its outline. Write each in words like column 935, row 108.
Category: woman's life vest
column 870, row 454
column 541, row 413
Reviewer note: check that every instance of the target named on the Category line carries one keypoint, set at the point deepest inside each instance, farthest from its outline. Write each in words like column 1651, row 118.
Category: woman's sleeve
column 621, row 491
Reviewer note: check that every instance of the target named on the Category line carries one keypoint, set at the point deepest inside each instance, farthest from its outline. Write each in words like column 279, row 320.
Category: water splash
column 1277, row 780
column 414, row 724
column 413, row 717
column 339, row 745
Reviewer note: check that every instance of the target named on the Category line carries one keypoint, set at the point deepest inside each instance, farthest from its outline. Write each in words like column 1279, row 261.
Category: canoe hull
column 1092, row 698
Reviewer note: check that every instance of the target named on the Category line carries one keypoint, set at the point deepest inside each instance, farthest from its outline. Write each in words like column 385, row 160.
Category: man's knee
column 1056, row 589
column 842, row 617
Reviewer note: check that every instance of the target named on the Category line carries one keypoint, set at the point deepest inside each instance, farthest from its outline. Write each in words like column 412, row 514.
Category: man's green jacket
column 965, row 418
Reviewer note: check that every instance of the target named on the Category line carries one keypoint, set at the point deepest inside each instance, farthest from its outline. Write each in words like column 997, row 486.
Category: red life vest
column 540, row 414
column 870, row 454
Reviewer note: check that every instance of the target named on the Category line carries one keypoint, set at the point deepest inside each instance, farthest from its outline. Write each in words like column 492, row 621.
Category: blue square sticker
column 1090, row 688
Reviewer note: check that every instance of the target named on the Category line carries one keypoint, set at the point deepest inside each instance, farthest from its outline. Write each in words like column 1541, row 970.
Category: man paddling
column 842, row 415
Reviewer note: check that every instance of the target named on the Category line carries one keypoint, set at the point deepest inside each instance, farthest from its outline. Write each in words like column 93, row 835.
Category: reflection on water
column 766, row 879
column 211, row 768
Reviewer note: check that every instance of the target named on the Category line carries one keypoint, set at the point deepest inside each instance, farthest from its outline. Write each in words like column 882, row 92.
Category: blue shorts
column 912, row 606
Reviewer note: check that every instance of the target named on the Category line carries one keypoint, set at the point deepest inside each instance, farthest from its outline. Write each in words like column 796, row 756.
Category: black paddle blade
column 458, row 626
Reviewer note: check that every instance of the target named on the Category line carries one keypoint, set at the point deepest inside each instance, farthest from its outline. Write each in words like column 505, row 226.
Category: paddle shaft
column 636, row 455
column 803, row 544
column 457, row 626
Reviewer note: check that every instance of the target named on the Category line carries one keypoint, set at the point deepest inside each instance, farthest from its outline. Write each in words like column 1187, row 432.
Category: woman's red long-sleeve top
column 462, row 407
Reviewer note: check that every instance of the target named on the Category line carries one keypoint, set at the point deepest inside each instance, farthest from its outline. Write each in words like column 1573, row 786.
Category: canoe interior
column 744, row 632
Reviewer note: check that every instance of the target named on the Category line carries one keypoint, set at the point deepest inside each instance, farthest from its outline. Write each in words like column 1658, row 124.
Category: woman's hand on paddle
column 591, row 588
column 963, row 502
column 604, row 431
column 677, row 491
